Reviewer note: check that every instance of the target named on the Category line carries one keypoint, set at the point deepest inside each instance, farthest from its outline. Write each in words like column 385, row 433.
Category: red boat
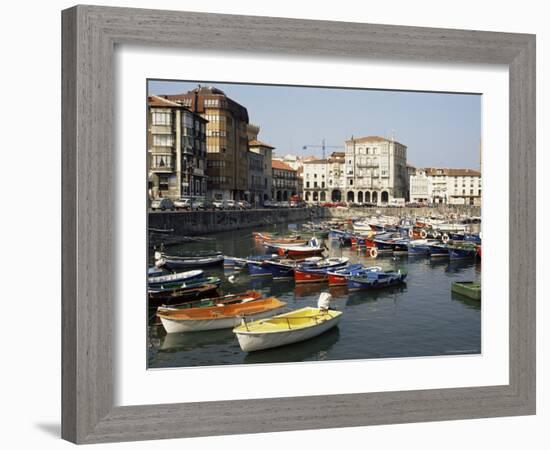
column 307, row 276
column 300, row 252
column 478, row 251
column 318, row 272
column 337, row 280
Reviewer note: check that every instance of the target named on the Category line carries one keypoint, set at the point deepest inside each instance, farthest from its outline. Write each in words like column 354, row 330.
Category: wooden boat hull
column 175, row 278
column 189, row 294
column 214, row 301
column 280, row 271
column 439, row 251
column 309, row 276
column 251, row 341
column 218, row 317
column 300, row 253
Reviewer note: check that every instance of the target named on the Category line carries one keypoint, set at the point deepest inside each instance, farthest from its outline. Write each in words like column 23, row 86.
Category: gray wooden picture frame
column 90, row 34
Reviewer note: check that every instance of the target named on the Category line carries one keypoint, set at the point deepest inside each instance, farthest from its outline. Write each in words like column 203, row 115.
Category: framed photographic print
column 293, row 227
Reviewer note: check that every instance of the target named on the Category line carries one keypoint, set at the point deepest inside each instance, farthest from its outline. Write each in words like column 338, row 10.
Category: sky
column 439, row 129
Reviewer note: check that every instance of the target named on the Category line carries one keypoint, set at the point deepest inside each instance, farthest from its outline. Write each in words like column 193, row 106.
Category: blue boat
column 472, row 238
column 258, row 269
column 439, row 250
column 383, row 245
column 280, row 270
column 456, row 236
column 238, row 263
column 465, row 252
column 376, row 280
column 401, row 246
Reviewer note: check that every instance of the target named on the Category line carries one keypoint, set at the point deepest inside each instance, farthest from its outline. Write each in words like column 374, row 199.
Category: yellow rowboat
column 219, row 316
column 288, row 328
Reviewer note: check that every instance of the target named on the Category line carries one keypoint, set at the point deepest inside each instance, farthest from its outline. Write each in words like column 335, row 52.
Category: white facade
column 323, row 179
column 450, row 186
column 420, row 186
column 375, row 170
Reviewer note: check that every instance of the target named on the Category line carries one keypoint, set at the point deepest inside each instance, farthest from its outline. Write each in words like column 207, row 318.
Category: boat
column 340, row 276
column 184, row 262
column 376, row 279
column 315, row 272
column 470, row 289
column 191, row 294
column 421, row 246
column 242, row 297
column 462, row 251
column 280, row 269
column 232, row 262
column 187, row 289
column 478, row 251
column 288, row 328
column 218, row 317
column 438, row 250
column 301, row 251
column 174, row 278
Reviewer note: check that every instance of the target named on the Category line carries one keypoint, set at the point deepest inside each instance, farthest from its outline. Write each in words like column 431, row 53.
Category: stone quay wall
column 193, row 223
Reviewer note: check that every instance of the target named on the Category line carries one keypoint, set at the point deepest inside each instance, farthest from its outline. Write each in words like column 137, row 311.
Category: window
column 163, row 182
column 307, row 184
column 162, row 140
column 162, row 161
column 162, row 118
column 211, row 103
column 351, row 181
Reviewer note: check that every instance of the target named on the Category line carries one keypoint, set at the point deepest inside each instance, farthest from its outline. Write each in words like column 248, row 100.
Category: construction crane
column 323, row 146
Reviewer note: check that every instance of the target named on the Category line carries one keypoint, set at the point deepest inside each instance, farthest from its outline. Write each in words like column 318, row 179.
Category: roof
column 257, row 143
column 155, row 100
column 276, row 164
column 452, row 172
column 366, row 139
column 315, row 161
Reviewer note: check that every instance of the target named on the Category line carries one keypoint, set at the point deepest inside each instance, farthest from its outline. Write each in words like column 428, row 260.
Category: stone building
column 375, row 170
column 266, row 150
column 226, row 140
column 323, row 179
column 176, row 150
column 284, row 181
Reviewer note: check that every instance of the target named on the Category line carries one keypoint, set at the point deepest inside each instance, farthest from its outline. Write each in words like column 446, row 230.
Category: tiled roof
column 155, row 100
column 315, row 161
column 276, row 164
column 452, row 172
column 257, row 143
column 366, row 139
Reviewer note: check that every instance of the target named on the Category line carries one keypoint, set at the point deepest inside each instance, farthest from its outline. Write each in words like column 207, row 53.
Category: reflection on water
column 419, row 318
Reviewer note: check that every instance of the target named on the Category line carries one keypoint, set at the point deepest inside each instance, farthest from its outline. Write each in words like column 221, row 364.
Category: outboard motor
column 324, row 301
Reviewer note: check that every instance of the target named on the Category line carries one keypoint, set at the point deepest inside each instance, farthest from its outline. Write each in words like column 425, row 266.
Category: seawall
column 192, row 223
column 345, row 213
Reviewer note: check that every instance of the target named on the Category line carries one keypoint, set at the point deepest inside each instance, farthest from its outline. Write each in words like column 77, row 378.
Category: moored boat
column 438, row 250
column 462, row 252
column 339, row 277
column 242, row 297
column 317, row 271
column 218, row 317
column 174, row 278
column 184, row 262
column 288, row 328
column 376, row 279
column 469, row 289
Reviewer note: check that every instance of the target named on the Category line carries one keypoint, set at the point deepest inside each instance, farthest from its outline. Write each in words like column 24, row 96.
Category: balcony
column 168, row 168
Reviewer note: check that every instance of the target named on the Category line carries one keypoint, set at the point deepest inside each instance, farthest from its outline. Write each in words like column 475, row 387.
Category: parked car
column 230, row 204
column 219, row 204
column 268, row 204
column 243, row 204
column 162, row 203
column 183, row 203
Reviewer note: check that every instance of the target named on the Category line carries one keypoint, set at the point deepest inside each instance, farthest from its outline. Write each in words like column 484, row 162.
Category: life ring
column 423, row 234
column 445, row 238
column 411, row 232
column 373, row 252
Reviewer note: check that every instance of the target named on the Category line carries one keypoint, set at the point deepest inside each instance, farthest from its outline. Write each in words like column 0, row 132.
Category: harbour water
column 419, row 318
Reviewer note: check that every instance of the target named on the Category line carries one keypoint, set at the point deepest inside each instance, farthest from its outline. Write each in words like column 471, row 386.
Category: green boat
column 470, row 289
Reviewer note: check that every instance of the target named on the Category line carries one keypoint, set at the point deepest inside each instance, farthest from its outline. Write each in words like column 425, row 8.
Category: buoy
column 411, row 232
column 373, row 252
column 423, row 234
column 445, row 238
